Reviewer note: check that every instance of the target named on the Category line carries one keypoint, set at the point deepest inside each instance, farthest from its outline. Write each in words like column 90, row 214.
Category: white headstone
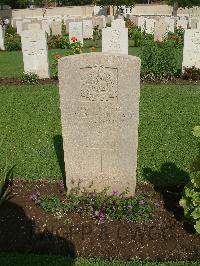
column 109, row 19
column 34, row 26
column 171, row 23
column 2, row 33
column 87, row 29
column 99, row 21
column 161, row 30
column 198, row 25
column 115, row 40
column 19, row 25
column 56, row 27
column 45, row 26
column 35, row 52
column 150, row 25
column 118, row 23
column 142, row 23
column 191, row 50
column 76, row 30
column 182, row 23
column 99, row 102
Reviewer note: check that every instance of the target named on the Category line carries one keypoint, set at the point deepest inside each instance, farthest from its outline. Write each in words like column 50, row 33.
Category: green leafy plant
column 30, row 78
column 12, row 42
column 100, row 205
column 159, row 61
column 74, row 48
column 177, row 37
column 97, row 33
column 138, row 37
column 50, row 203
column 58, row 42
column 10, row 30
column 190, row 200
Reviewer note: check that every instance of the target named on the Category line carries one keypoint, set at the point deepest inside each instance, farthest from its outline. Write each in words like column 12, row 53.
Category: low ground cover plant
column 99, row 205
column 12, row 42
column 58, row 42
column 30, row 78
column 73, row 48
column 191, row 193
column 177, row 36
column 159, row 60
column 138, row 37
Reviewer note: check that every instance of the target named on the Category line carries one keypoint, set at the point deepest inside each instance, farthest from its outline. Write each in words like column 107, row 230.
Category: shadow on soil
column 170, row 181
column 19, row 234
column 58, row 146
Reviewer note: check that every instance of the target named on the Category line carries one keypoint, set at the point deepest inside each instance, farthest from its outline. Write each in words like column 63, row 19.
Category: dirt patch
column 18, row 81
column 26, row 228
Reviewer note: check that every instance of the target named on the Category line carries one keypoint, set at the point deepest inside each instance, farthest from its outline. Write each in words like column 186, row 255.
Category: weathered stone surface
column 109, row 19
column 171, row 23
column 70, row 19
column 56, row 27
column 182, row 23
column 115, row 40
column 150, row 26
column 99, row 21
column 31, row 26
column 99, row 99
column 191, row 50
column 87, row 29
column 118, row 23
column 142, row 23
column 46, row 26
column 2, row 34
column 146, row 24
column 193, row 22
column 19, row 26
column 161, row 30
column 76, row 30
column 134, row 19
column 35, row 52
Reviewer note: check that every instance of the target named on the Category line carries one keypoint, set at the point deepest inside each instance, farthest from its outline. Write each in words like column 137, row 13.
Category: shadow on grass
column 20, row 234
column 58, row 146
column 170, row 181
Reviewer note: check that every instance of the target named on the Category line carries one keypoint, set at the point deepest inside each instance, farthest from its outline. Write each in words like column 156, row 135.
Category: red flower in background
column 57, row 56
column 74, row 39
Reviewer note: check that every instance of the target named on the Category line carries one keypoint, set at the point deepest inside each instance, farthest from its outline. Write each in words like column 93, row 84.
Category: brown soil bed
column 18, row 81
column 26, row 228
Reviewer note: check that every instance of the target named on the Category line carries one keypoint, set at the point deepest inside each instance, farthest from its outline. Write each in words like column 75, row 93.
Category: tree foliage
column 184, row 3
column 16, row 3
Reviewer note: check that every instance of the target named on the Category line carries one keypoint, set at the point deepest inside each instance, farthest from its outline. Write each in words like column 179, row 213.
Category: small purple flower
column 93, row 194
column 34, row 196
column 157, row 204
column 100, row 216
column 61, row 185
column 141, row 202
column 115, row 193
column 130, row 207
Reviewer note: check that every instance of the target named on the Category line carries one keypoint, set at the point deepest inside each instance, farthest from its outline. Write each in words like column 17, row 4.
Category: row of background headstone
column 114, row 40
column 147, row 24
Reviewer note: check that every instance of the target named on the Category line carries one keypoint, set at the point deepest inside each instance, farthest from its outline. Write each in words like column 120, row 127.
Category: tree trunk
column 175, row 9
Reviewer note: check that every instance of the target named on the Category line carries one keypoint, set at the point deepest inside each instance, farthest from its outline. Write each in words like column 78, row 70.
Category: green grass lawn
column 30, row 126
column 43, row 260
column 11, row 63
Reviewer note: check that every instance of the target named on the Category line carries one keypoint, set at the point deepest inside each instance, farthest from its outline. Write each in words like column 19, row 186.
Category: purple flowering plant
column 101, row 205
